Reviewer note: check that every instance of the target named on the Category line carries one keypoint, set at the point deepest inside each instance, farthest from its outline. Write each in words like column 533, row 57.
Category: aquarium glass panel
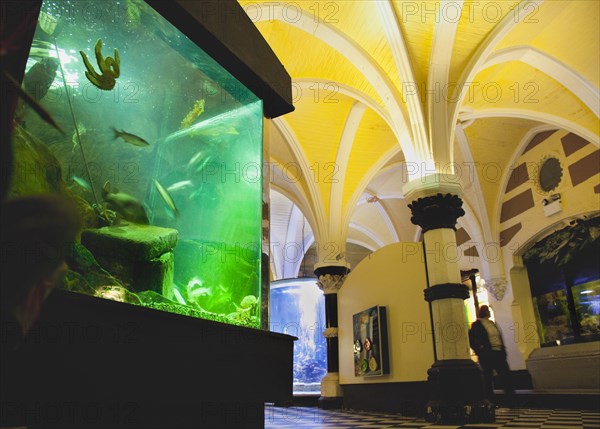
column 552, row 314
column 298, row 309
column 161, row 148
column 587, row 307
column 566, row 298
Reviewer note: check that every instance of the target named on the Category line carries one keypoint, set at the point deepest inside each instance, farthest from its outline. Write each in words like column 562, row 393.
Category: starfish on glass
column 109, row 68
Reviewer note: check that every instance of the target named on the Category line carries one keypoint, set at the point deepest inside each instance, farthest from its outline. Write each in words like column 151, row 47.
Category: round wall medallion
column 550, row 174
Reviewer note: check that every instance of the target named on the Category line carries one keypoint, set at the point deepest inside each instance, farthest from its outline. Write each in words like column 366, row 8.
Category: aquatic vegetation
column 195, row 288
column 152, row 296
column 31, row 102
column 133, row 12
column 216, row 131
column 117, row 293
column 193, row 312
column 130, row 138
column 178, row 296
column 47, row 23
column 248, row 302
column 109, row 68
column 193, row 114
column 246, row 312
column 78, row 132
column 156, row 301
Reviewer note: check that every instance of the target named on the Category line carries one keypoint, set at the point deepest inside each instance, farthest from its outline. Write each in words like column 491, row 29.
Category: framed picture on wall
column 370, row 342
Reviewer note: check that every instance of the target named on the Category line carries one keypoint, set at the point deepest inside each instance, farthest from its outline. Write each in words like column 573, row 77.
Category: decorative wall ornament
column 330, row 332
column 549, row 175
column 496, row 286
column 436, row 211
column 331, row 283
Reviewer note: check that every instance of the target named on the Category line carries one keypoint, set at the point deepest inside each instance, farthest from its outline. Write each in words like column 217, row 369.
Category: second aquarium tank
column 298, row 309
column 160, row 147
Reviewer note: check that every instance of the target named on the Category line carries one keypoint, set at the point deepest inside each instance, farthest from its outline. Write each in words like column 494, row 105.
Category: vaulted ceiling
column 388, row 91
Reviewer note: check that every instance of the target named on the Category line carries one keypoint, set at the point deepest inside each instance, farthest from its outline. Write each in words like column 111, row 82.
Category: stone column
column 456, row 394
column 330, row 280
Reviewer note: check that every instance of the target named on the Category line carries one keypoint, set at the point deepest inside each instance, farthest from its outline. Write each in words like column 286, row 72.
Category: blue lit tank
column 298, row 308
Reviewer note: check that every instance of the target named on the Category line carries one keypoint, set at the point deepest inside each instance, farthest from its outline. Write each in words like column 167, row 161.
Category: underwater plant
column 31, row 102
column 133, row 12
column 246, row 312
column 117, row 293
column 193, row 114
column 82, row 130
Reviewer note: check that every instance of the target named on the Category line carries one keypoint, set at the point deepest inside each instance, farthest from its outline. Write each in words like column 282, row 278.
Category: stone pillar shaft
column 330, row 281
column 455, row 381
column 331, row 321
column 448, row 315
column 331, row 310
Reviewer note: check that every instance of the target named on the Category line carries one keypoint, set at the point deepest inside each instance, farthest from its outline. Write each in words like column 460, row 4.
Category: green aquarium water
column 161, row 148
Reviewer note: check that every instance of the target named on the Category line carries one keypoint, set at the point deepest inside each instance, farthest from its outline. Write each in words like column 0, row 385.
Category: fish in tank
column 162, row 151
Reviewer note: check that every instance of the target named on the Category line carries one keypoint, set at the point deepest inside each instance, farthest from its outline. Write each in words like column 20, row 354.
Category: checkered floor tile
column 316, row 418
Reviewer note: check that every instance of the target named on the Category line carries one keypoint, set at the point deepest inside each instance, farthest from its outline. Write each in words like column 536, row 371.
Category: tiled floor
column 315, row 418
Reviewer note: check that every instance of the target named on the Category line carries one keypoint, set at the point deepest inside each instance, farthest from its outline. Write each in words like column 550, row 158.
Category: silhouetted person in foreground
column 486, row 340
column 36, row 234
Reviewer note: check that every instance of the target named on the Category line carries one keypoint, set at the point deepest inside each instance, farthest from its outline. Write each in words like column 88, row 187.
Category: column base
column 455, row 413
column 330, row 403
column 331, row 392
column 456, row 394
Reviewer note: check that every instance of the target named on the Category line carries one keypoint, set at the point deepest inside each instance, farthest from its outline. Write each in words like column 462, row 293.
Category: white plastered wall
column 393, row 276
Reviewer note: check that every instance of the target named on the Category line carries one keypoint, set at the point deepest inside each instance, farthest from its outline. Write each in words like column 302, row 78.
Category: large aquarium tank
column 298, row 308
column 160, row 147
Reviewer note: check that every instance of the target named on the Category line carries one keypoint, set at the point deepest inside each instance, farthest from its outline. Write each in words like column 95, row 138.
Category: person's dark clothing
column 491, row 358
column 11, row 372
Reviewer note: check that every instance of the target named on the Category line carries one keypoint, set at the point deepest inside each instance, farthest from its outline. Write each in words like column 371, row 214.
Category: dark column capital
column 332, row 270
column 436, row 211
column 446, row 290
column 331, row 277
